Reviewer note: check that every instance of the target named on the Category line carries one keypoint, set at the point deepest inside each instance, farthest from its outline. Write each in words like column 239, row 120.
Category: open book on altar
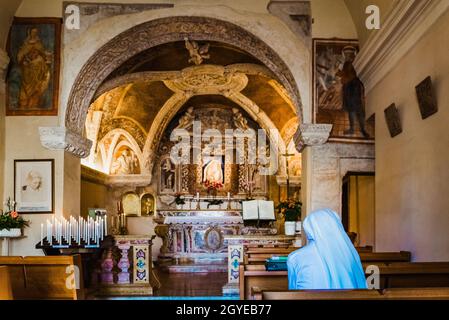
column 258, row 210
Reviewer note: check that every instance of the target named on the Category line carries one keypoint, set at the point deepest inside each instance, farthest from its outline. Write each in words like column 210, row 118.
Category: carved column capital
column 61, row 138
column 309, row 134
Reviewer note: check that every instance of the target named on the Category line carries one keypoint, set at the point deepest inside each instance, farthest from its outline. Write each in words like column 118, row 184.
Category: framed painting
column 332, row 72
column 34, row 185
column 393, row 120
column 33, row 77
column 426, row 98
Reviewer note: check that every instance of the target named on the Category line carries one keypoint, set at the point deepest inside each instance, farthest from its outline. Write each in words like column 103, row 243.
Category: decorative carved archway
column 156, row 32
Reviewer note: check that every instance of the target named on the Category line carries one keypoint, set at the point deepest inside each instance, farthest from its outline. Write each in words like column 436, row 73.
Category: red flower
column 14, row 214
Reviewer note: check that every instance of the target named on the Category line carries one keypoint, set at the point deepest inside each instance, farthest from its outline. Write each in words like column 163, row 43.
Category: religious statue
column 197, row 53
column 35, row 66
column 147, row 205
column 213, row 172
column 186, row 121
column 167, row 175
column 239, row 121
column 126, row 163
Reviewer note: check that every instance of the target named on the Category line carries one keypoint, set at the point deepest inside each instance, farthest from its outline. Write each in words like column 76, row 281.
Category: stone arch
column 159, row 31
column 115, row 134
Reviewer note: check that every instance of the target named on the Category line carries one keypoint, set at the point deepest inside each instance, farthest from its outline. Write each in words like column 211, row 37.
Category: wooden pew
column 414, row 274
column 401, row 256
column 260, row 255
column 46, row 277
column 386, row 294
column 256, row 276
column 392, row 275
column 5, row 284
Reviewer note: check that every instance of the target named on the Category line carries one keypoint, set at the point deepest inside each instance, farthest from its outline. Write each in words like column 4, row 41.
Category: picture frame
column 426, row 98
column 34, row 185
column 329, row 56
column 393, row 120
column 32, row 84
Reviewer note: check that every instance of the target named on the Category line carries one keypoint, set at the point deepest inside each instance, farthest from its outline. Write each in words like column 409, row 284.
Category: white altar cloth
column 203, row 220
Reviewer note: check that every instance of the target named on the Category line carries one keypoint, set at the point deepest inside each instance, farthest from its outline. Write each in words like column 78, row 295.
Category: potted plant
column 11, row 223
column 291, row 211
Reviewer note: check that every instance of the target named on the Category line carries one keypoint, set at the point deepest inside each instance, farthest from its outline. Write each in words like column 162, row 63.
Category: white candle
column 50, row 240
column 229, row 196
column 42, row 234
column 105, row 225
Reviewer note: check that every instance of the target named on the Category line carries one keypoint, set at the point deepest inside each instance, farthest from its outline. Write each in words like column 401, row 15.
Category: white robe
column 329, row 260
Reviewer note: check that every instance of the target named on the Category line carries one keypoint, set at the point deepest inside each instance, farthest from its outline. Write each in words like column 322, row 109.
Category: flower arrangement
column 10, row 219
column 212, row 185
column 179, row 200
column 290, row 209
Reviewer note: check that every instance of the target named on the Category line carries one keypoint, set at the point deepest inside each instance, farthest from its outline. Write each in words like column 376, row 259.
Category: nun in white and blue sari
column 329, row 260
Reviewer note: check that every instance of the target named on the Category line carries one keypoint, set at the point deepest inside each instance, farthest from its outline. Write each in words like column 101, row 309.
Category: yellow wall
column 357, row 9
column 332, row 20
column 93, row 195
column 412, row 176
column 361, row 209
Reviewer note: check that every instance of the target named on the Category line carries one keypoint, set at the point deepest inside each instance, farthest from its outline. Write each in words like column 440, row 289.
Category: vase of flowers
column 290, row 210
column 212, row 187
column 11, row 223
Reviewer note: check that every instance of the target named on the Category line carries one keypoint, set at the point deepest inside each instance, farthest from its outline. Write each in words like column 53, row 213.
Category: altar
column 201, row 237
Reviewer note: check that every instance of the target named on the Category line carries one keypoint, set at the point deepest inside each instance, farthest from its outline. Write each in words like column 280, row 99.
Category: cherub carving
column 197, row 53
column 186, row 121
column 239, row 121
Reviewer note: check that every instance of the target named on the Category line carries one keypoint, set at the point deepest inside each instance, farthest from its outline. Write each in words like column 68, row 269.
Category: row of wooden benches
column 46, row 277
column 385, row 294
column 395, row 272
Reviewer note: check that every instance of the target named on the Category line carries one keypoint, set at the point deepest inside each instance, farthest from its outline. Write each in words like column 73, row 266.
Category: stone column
column 107, row 277
column 123, row 264
column 307, row 139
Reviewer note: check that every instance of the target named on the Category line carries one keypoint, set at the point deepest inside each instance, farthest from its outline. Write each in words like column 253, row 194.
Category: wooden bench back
column 386, row 294
column 5, row 284
column 401, row 256
column 46, row 277
column 392, row 275
column 261, row 254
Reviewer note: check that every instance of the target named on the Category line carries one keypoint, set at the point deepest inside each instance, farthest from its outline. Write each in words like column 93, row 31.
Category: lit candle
column 105, row 225
column 42, row 234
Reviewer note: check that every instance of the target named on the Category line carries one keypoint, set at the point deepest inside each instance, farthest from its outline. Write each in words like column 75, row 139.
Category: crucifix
column 287, row 155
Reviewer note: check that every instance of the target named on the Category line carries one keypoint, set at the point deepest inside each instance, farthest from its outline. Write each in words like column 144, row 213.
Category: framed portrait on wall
column 332, row 73
column 33, row 76
column 34, row 185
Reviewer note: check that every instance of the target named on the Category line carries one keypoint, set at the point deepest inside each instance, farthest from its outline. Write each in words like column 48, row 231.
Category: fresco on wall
column 338, row 92
column 32, row 83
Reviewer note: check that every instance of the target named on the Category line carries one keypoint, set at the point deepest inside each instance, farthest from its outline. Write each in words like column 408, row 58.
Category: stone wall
column 328, row 164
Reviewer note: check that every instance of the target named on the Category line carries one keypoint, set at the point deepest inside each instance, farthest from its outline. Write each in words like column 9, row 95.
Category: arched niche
column 163, row 30
column 131, row 204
